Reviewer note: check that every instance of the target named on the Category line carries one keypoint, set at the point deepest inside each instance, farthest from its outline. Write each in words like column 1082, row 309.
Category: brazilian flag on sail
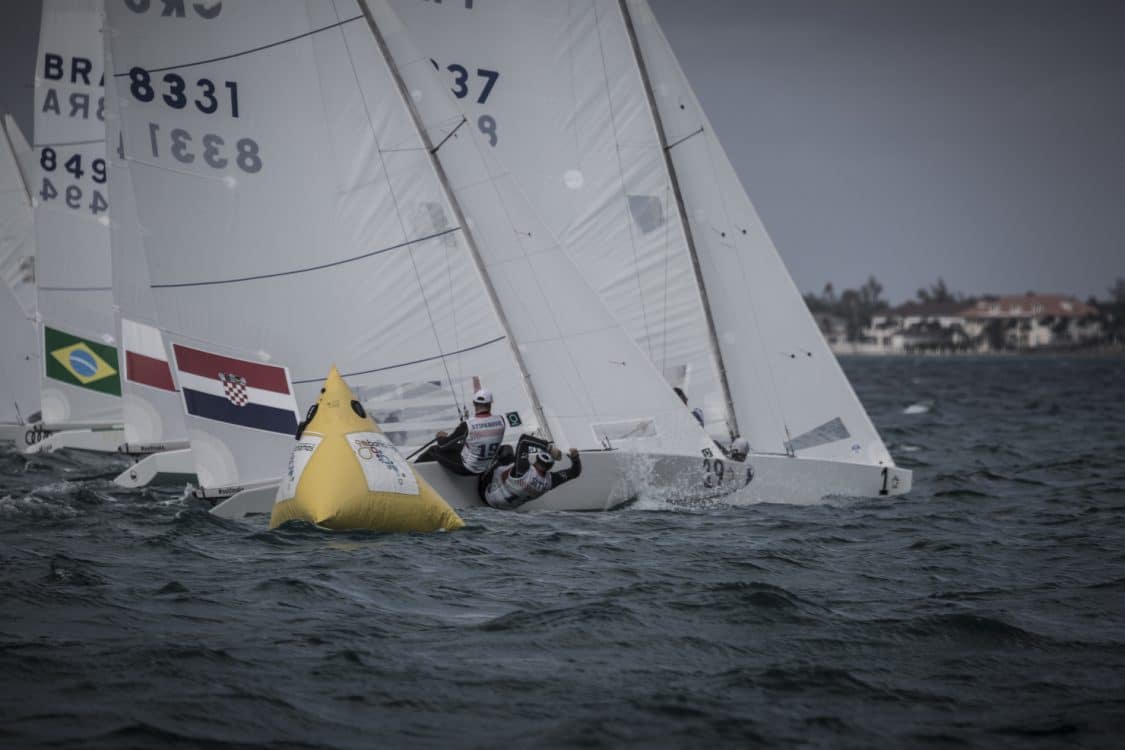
column 81, row 362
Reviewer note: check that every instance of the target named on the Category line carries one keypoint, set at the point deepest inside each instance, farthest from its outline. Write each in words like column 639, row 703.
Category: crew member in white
column 514, row 485
column 471, row 448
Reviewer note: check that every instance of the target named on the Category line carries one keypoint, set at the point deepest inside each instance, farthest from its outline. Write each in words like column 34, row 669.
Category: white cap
column 545, row 458
column 740, row 444
column 483, row 396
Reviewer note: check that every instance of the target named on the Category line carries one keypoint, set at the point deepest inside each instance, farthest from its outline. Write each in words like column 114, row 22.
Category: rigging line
column 452, row 133
column 246, row 52
column 456, row 318
column 481, row 345
column 689, row 136
column 621, row 177
column 296, row 271
column 775, row 403
column 394, row 197
column 667, row 262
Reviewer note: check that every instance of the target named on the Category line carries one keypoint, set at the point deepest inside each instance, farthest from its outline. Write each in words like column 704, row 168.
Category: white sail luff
column 152, row 413
column 697, row 273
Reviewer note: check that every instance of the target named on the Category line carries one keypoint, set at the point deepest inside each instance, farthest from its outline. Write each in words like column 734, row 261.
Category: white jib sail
column 71, row 218
column 554, row 91
column 789, row 391
column 153, row 413
column 19, row 359
column 596, row 387
column 291, row 216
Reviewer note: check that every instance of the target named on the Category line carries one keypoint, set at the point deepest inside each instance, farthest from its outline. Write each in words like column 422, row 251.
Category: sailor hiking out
column 471, row 448
column 528, row 476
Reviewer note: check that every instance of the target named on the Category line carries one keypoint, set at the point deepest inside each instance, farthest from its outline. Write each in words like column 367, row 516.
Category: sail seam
column 69, row 143
column 75, row 288
column 296, row 271
column 407, row 364
column 246, row 52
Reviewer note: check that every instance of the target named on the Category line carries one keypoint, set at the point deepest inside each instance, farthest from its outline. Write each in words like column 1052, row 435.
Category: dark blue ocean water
column 987, row 609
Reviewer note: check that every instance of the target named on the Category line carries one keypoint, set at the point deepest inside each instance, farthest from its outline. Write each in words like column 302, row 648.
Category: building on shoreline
column 1010, row 323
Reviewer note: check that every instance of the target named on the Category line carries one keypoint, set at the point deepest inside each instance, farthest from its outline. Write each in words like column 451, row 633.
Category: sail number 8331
column 212, row 149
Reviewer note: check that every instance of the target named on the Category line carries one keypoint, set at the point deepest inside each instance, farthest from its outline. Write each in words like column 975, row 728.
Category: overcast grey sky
column 978, row 140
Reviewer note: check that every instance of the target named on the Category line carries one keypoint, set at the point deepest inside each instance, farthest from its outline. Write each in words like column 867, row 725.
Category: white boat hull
column 22, row 436
column 611, row 479
column 174, row 467
column 97, row 439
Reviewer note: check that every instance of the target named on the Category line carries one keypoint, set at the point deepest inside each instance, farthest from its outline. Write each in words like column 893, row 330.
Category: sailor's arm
column 444, row 439
column 571, row 472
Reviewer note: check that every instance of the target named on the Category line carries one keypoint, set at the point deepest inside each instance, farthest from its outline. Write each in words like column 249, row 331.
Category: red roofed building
column 1031, row 321
column 1029, row 306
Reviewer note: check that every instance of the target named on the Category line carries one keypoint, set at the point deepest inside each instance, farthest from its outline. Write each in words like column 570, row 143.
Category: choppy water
column 986, row 609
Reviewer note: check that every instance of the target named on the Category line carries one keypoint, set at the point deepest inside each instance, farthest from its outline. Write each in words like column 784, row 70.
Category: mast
column 404, row 94
column 716, row 353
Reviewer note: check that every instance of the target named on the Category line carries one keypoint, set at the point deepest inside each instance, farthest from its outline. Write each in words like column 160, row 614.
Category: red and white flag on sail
column 145, row 359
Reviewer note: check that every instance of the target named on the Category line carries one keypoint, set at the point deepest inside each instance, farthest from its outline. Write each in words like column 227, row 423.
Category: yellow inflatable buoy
column 345, row 474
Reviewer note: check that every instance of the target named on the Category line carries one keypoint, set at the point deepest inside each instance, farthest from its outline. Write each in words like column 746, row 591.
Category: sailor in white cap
column 472, row 447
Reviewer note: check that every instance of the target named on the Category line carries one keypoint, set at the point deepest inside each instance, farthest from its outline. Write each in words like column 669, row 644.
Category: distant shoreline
column 1108, row 351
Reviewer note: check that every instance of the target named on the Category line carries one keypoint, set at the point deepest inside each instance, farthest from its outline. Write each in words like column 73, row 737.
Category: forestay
column 554, row 92
column 595, row 386
column 292, row 216
column 81, row 383
column 153, row 414
column 789, row 391
column 19, row 360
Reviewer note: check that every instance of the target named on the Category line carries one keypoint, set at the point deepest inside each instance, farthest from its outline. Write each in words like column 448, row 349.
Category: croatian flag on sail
column 236, row 391
column 145, row 360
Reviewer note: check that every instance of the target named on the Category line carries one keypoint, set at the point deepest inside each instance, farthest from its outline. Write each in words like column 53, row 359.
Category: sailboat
column 282, row 236
column 80, row 379
column 588, row 106
column 19, row 360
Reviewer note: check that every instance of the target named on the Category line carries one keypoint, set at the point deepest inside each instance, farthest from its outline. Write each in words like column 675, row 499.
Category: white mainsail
column 596, row 387
column 17, row 224
column 789, row 391
column 561, row 104
column 81, row 382
column 291, row 216
column 19, row 361
column 153, row 413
